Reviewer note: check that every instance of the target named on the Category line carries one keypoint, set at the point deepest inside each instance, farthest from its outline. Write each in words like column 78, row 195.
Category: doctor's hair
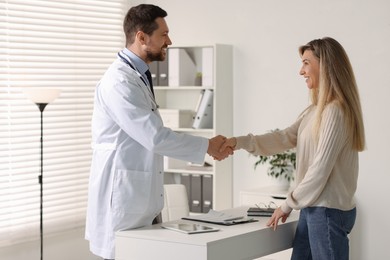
column 337, row 84
column 141, row 18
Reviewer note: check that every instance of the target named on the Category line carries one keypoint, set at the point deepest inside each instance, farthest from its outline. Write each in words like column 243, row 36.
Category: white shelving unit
column 186, row 98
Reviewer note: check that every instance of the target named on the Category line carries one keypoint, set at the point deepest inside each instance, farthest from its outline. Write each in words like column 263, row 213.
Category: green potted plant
column 198, row 79
column 281, row 165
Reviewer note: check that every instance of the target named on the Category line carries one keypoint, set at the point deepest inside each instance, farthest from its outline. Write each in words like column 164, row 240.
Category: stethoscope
column 140, row 76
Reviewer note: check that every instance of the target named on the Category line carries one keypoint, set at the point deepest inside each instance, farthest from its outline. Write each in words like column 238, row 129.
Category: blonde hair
column 336, row 84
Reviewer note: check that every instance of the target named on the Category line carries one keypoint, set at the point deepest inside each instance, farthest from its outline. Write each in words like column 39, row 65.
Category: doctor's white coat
column 129, row 141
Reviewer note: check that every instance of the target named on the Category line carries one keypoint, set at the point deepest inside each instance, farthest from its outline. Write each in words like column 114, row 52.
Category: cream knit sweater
column 327, row 169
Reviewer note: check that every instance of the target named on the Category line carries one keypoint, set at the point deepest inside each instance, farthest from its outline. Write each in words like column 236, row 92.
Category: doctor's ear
column 140, row 36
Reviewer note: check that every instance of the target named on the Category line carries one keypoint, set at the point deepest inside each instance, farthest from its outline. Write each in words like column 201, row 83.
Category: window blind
column 64, row 44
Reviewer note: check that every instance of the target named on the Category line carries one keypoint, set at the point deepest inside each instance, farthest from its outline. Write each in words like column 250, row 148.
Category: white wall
column 269, row 93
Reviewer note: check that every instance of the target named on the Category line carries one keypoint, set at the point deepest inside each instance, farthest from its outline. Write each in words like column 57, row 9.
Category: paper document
column 218, row 217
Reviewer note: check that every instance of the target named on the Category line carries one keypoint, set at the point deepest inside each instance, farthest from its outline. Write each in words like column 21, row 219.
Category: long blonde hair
column 336, row 84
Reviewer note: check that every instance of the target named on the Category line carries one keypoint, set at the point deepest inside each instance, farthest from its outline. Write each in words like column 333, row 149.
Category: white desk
column 243, row 241
column 264, row 195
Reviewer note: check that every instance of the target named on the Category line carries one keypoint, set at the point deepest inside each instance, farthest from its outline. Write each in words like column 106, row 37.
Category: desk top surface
column 157, row 233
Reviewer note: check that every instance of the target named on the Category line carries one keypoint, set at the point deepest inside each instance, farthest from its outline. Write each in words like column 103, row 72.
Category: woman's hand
column 274, row 220
column 229, row 143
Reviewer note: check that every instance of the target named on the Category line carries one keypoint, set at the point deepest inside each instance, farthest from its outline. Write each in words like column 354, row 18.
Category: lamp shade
column 40, row 95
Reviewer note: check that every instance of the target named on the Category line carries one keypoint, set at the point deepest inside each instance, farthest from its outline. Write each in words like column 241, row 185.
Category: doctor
column 129, row 139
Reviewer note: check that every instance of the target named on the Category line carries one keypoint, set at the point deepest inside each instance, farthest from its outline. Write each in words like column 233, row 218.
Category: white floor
column 64, row 246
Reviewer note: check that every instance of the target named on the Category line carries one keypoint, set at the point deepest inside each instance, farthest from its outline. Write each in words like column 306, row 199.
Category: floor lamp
column 41, row 97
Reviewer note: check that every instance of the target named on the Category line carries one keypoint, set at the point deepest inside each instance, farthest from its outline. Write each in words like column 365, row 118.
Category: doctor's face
column 310, row 69
column 158, row 42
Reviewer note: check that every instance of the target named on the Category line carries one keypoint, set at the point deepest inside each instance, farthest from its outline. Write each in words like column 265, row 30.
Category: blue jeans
column 322, row 234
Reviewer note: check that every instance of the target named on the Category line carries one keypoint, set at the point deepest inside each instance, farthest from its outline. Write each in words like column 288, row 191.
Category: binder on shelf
column 204, row 111
column 181, row 67
column 185, row 179
column 207, row 66
column 159, row 72
column 207, row 192
column 196, row 193
column 199, row 191
column 153, row 68
column 199, row 100
column 163, row 72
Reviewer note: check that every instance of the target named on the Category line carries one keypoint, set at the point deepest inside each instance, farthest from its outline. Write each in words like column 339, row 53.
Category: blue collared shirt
column 140, row 65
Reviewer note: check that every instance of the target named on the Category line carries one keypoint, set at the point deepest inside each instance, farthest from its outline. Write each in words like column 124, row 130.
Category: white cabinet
column 266, row 195
column 214, row 62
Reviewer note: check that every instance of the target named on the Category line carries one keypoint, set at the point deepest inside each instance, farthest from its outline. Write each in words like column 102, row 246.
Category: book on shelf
column 204, row 110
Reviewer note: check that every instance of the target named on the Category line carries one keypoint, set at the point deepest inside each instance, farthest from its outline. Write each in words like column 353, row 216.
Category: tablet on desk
column 189, row 228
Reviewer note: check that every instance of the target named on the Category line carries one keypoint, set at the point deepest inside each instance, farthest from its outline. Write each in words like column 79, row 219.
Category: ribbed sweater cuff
column 285, row 208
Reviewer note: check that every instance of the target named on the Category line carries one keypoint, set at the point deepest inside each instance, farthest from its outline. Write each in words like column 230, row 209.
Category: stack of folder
column 199, row 190
column 221, row 218
column 260, row 212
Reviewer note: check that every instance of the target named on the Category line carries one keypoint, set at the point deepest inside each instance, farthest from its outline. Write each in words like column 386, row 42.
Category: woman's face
column 310, row 69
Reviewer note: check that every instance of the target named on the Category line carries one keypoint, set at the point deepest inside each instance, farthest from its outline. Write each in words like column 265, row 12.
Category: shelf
column 215, row 63
column 181, row 88
column 189, row 130
column 194, row 171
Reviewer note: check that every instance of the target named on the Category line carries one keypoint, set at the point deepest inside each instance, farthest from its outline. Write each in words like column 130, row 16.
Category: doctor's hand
column 229, row 144
column 214, row 149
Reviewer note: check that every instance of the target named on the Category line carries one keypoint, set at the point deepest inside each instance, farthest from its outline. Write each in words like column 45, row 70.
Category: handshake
column 221, row 147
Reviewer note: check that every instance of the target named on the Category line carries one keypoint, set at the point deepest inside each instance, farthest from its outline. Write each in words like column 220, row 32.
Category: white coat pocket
column 131, row 191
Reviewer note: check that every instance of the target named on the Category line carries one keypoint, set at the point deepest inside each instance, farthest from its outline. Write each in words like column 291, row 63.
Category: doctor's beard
column 156, row 56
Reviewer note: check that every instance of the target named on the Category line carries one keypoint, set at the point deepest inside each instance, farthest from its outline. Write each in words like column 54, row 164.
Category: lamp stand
column 41, row 107
column 41, row 96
